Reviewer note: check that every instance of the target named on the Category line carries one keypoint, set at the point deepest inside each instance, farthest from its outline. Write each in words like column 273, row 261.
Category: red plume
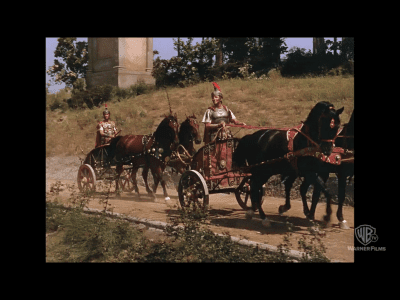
column 106, row 105
column 216, row 86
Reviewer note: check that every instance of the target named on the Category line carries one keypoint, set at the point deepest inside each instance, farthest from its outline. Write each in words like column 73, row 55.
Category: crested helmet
column 217, row 91
column 106, row 111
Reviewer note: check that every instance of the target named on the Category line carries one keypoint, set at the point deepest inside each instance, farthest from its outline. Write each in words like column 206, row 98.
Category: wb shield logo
column 366, row 234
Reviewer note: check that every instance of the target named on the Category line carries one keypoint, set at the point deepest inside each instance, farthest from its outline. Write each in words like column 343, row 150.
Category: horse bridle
column 174, row 125
column 193, row 124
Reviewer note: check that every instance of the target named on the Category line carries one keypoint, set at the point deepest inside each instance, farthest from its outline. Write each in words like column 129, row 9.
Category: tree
column 72, row 62
column 265, row 53
column 192, row 64
column 348, row 48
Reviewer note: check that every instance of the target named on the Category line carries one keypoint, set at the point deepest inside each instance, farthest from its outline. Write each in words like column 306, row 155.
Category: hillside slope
column 278, row 102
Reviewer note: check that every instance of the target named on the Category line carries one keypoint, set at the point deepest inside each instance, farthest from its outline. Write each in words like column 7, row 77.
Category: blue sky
column 164, row 46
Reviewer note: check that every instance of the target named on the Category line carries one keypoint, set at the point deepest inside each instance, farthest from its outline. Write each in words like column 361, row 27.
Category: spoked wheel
column 242, row 194
column 126, row 181
column 86, row 178
column 192, row 188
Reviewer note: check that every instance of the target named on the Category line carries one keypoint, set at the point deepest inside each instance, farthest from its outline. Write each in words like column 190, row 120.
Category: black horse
column 346, row 169
column 150, row 151
column 319, row 129
column 344, row 140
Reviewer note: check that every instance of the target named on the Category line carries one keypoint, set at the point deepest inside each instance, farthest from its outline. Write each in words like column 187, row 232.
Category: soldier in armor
column 216, row 117
column 106, row 129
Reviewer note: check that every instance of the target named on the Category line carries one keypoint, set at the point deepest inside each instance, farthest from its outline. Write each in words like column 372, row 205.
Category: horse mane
column 164, row 131
column 184, row 128
column 320, row 108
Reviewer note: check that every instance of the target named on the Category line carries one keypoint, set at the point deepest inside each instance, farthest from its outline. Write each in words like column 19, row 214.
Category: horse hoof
column 249, row 214
column 167, row 198
column 282, row 209
column 327, row 218
column 266, row 223
column 327, row 222
column 343, row 225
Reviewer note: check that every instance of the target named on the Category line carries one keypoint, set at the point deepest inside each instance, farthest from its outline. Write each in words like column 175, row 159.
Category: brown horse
column 188, row 132
column 148, row 150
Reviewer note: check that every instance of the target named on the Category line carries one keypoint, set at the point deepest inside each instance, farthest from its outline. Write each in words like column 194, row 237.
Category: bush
column 82, row 98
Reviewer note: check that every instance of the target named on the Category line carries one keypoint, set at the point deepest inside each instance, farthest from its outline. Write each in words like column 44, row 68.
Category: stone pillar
column 119, row 61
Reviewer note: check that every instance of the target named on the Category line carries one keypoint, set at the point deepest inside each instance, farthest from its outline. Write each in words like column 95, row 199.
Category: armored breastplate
column 107, row 128
column 219, row 115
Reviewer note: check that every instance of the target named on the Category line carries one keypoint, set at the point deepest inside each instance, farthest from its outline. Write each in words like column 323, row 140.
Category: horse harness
column 150, row 147
column 336, row 157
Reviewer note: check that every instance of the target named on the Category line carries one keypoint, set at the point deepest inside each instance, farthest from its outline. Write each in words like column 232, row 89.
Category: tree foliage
column 71, row 61
column 300, row 62
column 191, row 65
column 196, row 62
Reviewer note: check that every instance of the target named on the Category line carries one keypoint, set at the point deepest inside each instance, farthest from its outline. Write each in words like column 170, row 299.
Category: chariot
column 212, row 169
column 100, row 165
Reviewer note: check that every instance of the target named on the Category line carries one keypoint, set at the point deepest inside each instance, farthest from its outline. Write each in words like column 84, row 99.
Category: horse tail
column 113, row 146
column 239, row 156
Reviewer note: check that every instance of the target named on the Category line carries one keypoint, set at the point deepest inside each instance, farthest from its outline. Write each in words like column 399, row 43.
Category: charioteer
column 217, row 117
column 106, row 129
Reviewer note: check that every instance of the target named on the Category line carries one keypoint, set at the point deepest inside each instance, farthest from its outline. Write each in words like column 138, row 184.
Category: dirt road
column 226, row 216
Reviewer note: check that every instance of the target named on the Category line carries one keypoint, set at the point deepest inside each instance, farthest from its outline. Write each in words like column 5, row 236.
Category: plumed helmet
column 217, row 91
column 106, row 111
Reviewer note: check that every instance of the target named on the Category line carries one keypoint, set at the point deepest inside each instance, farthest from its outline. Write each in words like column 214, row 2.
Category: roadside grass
column 75, row 236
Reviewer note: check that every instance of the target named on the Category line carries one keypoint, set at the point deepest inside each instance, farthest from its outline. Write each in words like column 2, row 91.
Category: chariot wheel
column 242, row 194
column 192, row 188
column 86, row 178
column 126, row 181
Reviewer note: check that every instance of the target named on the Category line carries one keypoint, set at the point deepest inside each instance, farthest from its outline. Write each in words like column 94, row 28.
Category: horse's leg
column 341, row 198
column 255, row 196
column 316, row 193
column 320, row 185
column 303, row 192
column 119, row 169
column 158, row 171
column 163, row 184
column 288, row 186
column 145, row 173
column 134, row 182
